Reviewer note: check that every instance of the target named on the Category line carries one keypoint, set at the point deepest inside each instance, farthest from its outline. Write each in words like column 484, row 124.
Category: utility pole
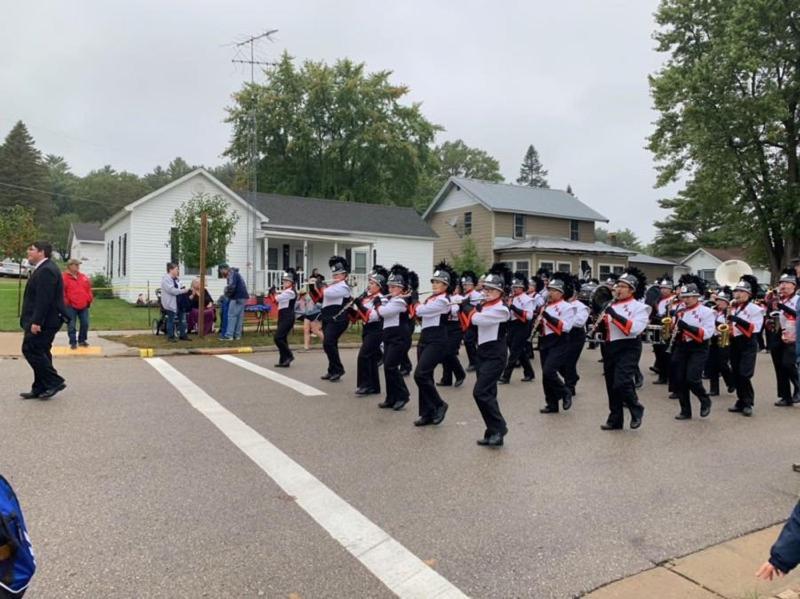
column 253, row 145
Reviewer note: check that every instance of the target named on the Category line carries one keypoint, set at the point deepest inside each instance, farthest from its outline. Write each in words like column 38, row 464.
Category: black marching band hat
column 747, row 283
column 444, row 273
column 561, row 281
column 788, row 276
column 468, row 278
column 379, row 276
column 635, row 279
column 398, row 276
column 339, row 265
column 290, row 274
column 665, row 282
column 725, row 294
column 691, row 286
column 499, row 277
column 519, row 280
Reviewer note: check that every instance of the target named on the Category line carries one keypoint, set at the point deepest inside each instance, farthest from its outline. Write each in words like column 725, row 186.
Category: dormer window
column 519, row 226
column 574, row 230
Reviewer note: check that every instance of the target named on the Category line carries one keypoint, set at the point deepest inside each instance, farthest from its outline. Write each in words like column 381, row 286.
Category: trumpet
column 724, row 331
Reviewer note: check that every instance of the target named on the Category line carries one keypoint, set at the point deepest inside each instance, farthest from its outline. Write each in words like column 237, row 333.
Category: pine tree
column 22, row 171
column 532, row 173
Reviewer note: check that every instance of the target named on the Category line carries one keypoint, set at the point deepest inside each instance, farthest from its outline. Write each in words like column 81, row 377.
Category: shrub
column 101, row 287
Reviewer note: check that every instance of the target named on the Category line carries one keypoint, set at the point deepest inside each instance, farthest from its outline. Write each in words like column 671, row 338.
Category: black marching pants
column 470, row 344
column 575, row 341
column 783, row 359
column 394, row 349
column 662, row 361
column 620, row 362
column 554, row 350
column 285, row 325
column 369, row 354
column 430, row 353
column 518, row 334
column 719, row 365
column 451, row 364
column 333, row 329
column 691, row 360
column 405, row 362
column 491, row 362
column 743, row 365
column 36, row 349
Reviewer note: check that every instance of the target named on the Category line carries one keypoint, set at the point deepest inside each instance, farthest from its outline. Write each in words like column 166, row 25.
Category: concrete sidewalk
column 720, row 571
column 11, row 344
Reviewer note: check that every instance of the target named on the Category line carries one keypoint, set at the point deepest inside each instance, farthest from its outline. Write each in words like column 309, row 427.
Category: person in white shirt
column 719, row 357
column 661, row 366
column 286, row 300
column 521, row 312
column 432, row 346
column 576, row 340
column 334, row 319
column 695, row 327
column 471, row 295
column 556, row 323
column 624, row 321
column 786, row 362
column 747, row 320
column 490, row 319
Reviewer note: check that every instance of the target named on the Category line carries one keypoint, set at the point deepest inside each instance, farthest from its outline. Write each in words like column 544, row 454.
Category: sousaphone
column 729, row 272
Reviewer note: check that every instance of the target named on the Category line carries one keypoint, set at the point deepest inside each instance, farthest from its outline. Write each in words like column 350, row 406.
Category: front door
column 285, row 256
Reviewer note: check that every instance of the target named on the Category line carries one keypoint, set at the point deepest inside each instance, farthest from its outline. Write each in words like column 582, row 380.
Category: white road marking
column 302, row 388
column 401, row 571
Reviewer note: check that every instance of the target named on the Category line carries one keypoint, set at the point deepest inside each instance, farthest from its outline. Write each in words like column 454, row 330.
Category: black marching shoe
column 442, row 383
column 335, row 378
column 326, row 376
column 713, row 393
column 423, row 421
column 438, row 416
column 636, row 419
column 502, row 381
column 527, row 379
column 567, row 400
column 493, row 440
column 548, row 410
column 385, row 404
column 735, row 409
column 362, row 391
column 660, row 382
column 399, row 405
column 471, row 368
column 784, row 403
column 29, row 395
column 747, row 411
column 610, row 427
column 683, row 416
column 285, row 363
column 673, row 396
column 459, row 382
column 48, row 393
column 705, row 407
column 405, row 372
column 731, row 389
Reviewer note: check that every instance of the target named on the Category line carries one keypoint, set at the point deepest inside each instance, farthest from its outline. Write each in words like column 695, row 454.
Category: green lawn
column 105, row 314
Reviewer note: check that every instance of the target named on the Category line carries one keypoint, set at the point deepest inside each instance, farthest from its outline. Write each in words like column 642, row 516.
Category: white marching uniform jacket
column 788, row 308
column 581, row 313
column 661, row 308
column 391, row 310
column 431, row 311
column 702, row 318
column 285, row 297
column 561, row 311
column 489, row 320
column 752, row 318
column 335, row 294
column 455, row 300
column 538, row 300
column 523, row 302
column 720, row 317
column 474, row 297
column 371, row 315
column 636, row 316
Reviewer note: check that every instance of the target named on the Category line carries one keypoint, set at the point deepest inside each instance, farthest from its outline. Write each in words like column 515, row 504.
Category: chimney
column 612, row 239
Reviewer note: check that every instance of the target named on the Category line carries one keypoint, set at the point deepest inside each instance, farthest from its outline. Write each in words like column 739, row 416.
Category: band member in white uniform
column 521, row 310
column 556, row 323
column 661, row 366
column 719, row 355
column 577, row 339
column 468, row 282
column 368, row 381
column 746, row 320
column 286, row 300
column 334, row 319
column 451, row 366
column 787, row 374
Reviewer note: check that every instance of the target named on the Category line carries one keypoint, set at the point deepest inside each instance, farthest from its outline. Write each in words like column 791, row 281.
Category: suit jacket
column 43, row 302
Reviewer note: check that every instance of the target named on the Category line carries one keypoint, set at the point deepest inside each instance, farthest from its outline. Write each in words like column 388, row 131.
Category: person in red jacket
column 77, row 299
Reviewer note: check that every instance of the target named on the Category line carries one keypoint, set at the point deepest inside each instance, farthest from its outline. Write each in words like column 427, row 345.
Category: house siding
column 573, row 259
column 543, row 226
column 449, row 244
column 414, row 254
column 120, row 282
column 92, row 256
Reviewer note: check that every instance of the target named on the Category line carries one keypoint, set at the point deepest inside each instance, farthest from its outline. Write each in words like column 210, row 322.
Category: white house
column 273, row 233
column 86, row 243
column 704, row 261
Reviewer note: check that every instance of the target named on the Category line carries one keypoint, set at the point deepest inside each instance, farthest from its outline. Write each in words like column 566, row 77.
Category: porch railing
column 264, row 279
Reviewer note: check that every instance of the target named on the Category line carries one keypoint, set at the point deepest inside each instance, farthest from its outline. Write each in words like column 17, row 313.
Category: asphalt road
column 129, row 491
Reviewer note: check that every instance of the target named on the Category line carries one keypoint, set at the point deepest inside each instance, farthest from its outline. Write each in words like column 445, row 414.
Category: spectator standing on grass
column 237, row 294
column 78, row 298
column 173, row 295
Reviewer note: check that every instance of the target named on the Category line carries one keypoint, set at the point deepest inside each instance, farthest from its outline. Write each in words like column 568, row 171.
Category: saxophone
column 724, row 331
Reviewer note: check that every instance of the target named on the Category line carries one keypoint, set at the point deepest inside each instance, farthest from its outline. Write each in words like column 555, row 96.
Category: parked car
column 10, row 268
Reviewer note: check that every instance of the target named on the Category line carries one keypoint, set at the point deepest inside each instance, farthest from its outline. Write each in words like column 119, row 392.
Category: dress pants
column 492, row 360
column 554, row 350
column 470, row 344
column 719, row 365
column 786, row 371
column 430, row 353
column 285, row 325
column 394, row 349
column 36, row 349
column 743, row 365
column 451, row 364
column 575, row 340
column 405, row 362
column 691, row 360
column 369, row 354
column 333, row 329
column 518, row 334
column 662, row 360
column 620, row 362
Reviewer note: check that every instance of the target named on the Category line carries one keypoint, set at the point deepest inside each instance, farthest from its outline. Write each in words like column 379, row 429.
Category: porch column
column 265, row 262
column 370, row 261
column 305, row 259
column 335, row 248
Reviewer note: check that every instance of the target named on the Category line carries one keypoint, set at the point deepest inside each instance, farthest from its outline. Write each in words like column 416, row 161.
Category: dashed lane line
column 301, row 388
column 401, row 571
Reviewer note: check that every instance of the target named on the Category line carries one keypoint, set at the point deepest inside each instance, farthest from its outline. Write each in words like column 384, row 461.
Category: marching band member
column 333, row 318
column 719, row 355
column 286, row 300
column 661, row 366
column 535, row 292
column 557, row 318
column 491, row 322
column 673, row 309
column 431, row 347
column 747, row 320
column 367, row 377
column 451, row 364
column 520, row 306
column 395, row 316
column 787, row 375
column 545, row 276
column 624, row 320
column 576, row 338
column 695, row 325
column 471, row 294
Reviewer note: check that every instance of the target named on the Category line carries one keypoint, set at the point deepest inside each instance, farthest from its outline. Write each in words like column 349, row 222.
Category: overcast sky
column 134, row 84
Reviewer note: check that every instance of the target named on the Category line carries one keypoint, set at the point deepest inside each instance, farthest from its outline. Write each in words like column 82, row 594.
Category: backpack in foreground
column 17, row 562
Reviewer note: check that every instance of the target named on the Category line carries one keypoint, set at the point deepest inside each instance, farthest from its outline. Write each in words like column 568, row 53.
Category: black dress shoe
column 335, row 378
column 713, row 393
column 654, row 369
column 502, row 381
column 493, row 440
column 731, row 389
column 284, row 364
column 29, row 395
column 660, row 382
column 459, row 382
column 48, row 393
column 636, row 419
column 385, row 404
column 362, row 391
column 567, row 400
column 438, row 417
column 735, row 409
column 548, row 410
column 747, row 411
column 326, row 376
column 443, row 384
column 471, row 368
column 683, row 417
column 527, row 379
column 423, row 421
column 784, row 403
column 405, row 372
column 705, row 408
column 399, row 405
column 673, row 396
column 184, row 338
column 610, row 427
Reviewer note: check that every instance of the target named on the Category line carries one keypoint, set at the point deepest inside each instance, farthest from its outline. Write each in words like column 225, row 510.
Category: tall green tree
column 221, row 228
column 469, row 258
column 531, row 172
column 333, row 131
column 61, row 182
column 103, row 192
column 23, row 175
column 624, row 238
column 728, row 98
column 18, row 230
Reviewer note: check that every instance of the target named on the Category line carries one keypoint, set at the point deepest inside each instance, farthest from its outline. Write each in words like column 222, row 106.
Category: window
column 124, row 259
column 706, row 275
column 519, row 226
column 272, row 258
column 119, row 257
column 360, row 263
column 111, row 259
column 523, row 267
column 468, row 223
column 298, row 259
column 574, row 230
column 565, row 267
column 548, row 266
column 607, row 269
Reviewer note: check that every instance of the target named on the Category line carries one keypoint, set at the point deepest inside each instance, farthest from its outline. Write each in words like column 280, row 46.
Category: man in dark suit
column 42, row 316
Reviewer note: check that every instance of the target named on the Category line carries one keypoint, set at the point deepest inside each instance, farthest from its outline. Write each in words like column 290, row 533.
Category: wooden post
column 201, row 300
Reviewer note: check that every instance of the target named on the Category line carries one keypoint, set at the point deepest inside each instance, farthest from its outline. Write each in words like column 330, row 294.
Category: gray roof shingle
column 559, row 244
column 335, row 215
column 87, row 232
column 529, row 200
